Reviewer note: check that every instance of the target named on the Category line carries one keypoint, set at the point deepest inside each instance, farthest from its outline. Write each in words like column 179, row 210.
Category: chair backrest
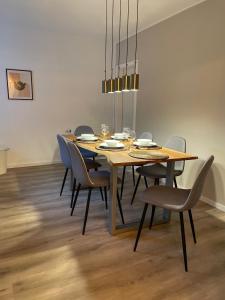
column 197, row 188
column 177, row 143
column 83, row 129
column 78, row 166
column 64, row 151
column 146, row 135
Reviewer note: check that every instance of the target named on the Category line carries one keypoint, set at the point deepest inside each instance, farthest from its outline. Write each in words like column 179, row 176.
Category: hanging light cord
column 112, row 40
column 128, row 15
column 119, row 42
column 136, row 46
column 106, row 34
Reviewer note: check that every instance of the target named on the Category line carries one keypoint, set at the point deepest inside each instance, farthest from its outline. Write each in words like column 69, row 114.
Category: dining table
column 120, row 158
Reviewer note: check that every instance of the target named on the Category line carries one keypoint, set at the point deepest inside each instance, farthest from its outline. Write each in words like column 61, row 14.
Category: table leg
column 169, row 182
column 113, row 200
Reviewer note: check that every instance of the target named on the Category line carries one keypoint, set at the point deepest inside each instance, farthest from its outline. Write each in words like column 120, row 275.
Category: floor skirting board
column 213, row 203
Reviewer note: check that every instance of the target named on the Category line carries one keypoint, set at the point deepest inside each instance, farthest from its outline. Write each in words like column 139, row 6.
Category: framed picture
column 19, row 84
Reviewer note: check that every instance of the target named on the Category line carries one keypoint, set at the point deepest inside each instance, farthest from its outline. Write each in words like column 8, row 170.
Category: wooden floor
column 44, row 256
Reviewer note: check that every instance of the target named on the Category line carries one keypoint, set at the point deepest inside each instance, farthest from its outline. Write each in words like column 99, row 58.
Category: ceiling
column 85, row 17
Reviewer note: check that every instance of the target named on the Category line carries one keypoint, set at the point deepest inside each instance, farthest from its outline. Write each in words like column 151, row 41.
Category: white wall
column 67, row 73
column 182, row 88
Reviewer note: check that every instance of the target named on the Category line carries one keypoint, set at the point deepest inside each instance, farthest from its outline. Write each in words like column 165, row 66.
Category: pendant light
column 126, row 78
column 104, row 82
column 135, row 77
column 118, row 79
column 111, row 82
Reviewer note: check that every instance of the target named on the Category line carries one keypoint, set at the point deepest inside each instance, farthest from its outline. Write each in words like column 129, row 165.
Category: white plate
column 119, row 138
column 105, row 145
column 140, row 144
column 87, row 138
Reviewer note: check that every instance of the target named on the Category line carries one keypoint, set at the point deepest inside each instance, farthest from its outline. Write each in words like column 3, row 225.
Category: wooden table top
column 122, row 158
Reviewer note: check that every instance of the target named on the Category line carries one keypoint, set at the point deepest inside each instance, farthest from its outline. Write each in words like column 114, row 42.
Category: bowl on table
column 120, row 136
column 144, row 143
column 87, row 137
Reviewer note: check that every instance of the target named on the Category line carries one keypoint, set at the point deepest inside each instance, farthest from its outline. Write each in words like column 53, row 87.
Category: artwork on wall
column 19, row 84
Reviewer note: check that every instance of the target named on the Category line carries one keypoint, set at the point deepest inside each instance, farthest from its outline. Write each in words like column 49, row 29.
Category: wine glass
column 132, row 137
column 105, row 130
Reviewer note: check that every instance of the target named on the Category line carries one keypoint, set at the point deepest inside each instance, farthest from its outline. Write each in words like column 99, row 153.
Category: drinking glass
column 105, row 130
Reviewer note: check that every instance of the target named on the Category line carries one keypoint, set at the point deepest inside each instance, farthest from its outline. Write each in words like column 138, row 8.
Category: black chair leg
column 156, row 181
column 72, row 196
column 192, row 226
column 120, row 207
column 64, row 180
column 106, row 198
column 100, row 189
column 75, row 200
column 122, row 183
column 152, row 216
column 133, row 174
column 140, row 226
column 146, row 182
column 183, row 240
column 175, row 182
column 87, row 209
column 135, row 189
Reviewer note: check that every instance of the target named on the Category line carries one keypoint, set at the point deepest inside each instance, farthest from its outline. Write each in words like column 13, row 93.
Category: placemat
column 148, row 155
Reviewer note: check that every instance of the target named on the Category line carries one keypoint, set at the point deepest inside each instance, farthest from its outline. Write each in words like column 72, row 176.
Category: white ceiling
column 84, row 17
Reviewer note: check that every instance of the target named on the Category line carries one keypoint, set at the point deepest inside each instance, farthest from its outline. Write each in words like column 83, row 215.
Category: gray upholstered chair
column 144, row 135
column 177, row 200
column 158, row 171
column 88, row 180
column 65, row 157
column 85, row 129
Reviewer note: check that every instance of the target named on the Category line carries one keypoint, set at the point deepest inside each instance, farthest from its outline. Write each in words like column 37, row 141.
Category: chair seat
column 91, row 164
column 101, row 178
column 165, row 197
column 86, row 153
column 155, row 171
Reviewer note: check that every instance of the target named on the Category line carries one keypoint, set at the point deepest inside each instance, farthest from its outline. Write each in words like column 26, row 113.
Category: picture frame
column 19, row 84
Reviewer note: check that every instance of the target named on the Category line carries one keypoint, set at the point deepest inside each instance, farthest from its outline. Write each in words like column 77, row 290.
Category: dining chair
column 175, row 200
column 85, row 129
column 144, row 135
column 158, row 171
column 89, row 181
column 66, row 159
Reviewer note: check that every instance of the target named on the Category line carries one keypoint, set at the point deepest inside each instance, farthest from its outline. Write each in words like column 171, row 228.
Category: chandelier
column 127, row 82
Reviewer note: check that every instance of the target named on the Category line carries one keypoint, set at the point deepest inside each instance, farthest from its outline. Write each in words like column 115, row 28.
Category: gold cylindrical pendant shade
column 126, row 83
column 104, row 87
column 118, row 85
column 134, row 82
column 111, row 86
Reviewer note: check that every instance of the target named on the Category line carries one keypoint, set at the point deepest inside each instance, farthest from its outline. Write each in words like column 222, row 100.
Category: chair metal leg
column 106, row 198
column 135, row 189
column 100, row 189
column 156, row 181
column 152, row 216
column 87, row 209
column 64, row 180
column 75, row 200
column 133, row 174
column 72, row 196
column 146, row 182
column 122, row 183
column 183, row 240
column 192, row 226
column 175, row 182
column 140, row 226
column 120, row 207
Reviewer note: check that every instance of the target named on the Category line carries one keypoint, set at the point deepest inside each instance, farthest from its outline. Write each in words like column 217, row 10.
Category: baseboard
column 33, row 164
column 40, row 163
column 213, row 203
